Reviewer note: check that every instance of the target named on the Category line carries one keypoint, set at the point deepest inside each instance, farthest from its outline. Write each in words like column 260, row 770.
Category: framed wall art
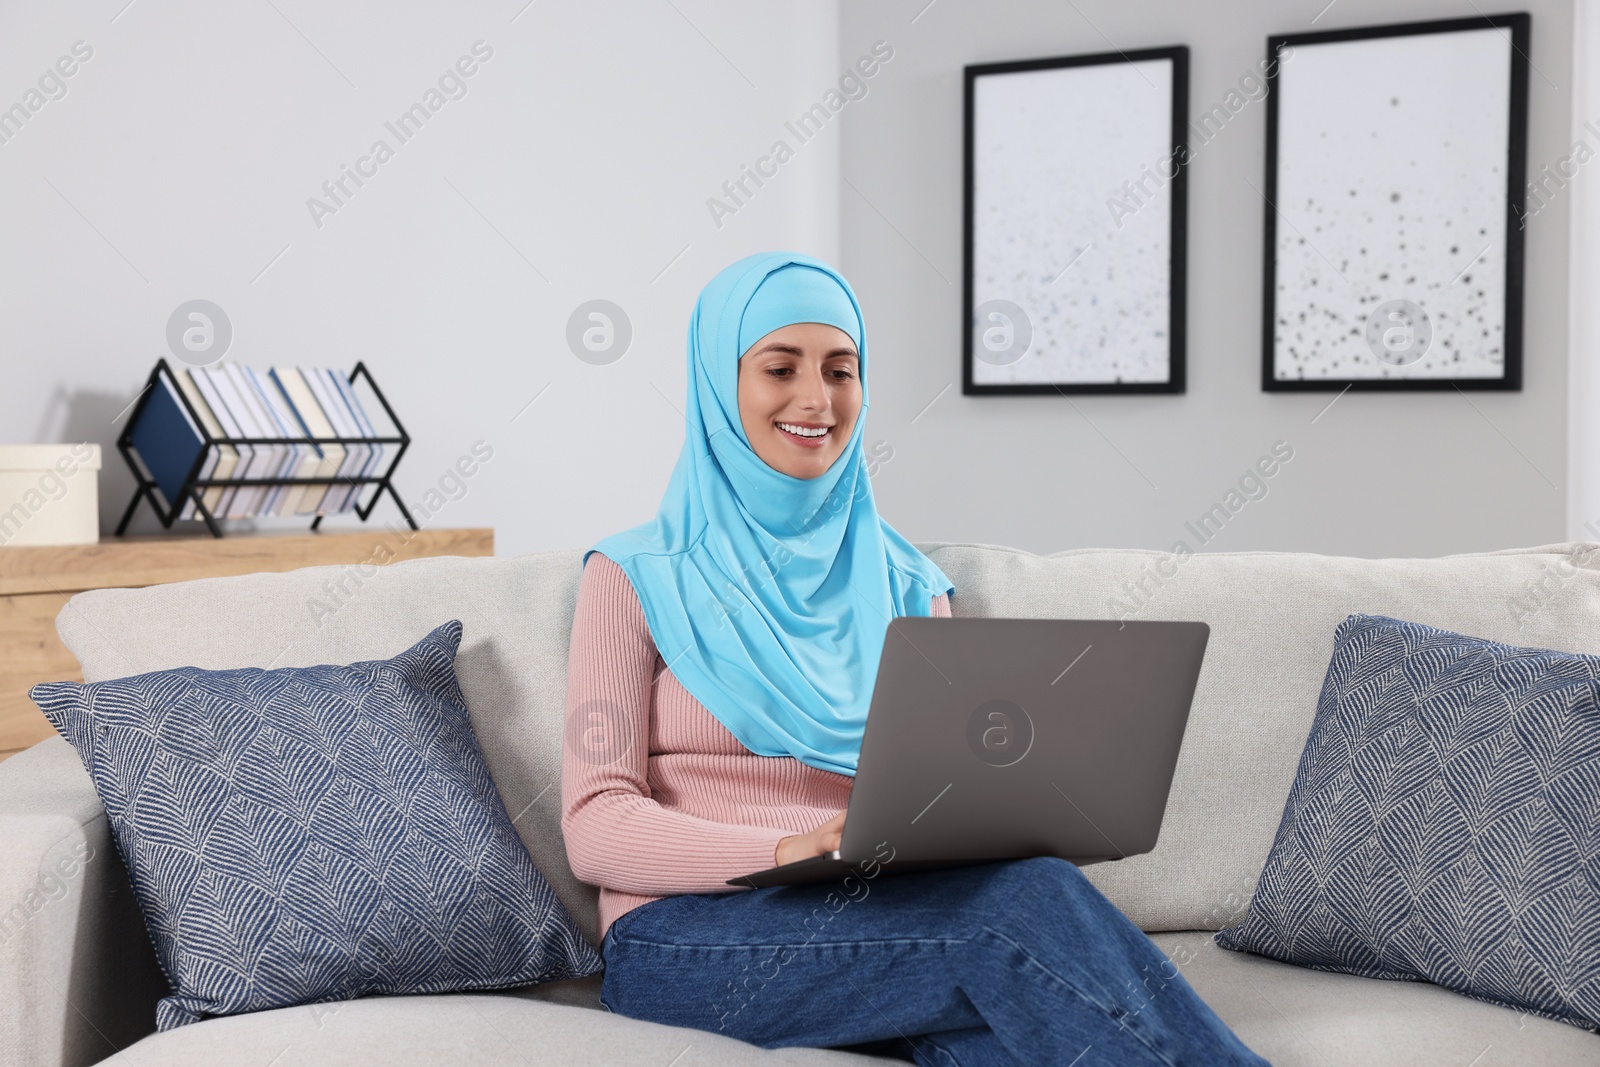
column 1074, row 222
column 1393, row 205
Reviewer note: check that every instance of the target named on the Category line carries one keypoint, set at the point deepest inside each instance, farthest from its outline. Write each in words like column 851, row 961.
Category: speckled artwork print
column 1053, row 148
column 1392, row 187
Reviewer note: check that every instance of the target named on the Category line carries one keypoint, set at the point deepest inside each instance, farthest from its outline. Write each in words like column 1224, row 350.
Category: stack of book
column 288, row 413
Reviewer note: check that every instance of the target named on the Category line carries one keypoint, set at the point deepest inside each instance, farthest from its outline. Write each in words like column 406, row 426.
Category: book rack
column 194, row 486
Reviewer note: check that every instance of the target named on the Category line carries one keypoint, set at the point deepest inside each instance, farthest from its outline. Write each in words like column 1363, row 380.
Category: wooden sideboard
column 36, row 581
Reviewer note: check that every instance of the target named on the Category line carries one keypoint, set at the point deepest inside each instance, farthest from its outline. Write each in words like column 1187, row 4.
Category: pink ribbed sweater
column 657, row 797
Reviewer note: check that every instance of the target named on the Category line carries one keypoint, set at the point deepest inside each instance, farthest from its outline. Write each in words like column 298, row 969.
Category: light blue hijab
column 768, row 596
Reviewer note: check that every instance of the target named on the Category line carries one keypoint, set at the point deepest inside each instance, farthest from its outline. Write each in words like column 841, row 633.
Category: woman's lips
column 807, row 442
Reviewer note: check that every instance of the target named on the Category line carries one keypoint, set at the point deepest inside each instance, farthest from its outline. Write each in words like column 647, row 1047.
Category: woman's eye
column 839, row 373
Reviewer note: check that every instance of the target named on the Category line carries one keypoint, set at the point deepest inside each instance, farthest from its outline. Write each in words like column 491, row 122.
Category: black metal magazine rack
column 195, row 487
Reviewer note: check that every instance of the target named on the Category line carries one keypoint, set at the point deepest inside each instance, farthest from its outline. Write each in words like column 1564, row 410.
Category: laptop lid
column 996, row 738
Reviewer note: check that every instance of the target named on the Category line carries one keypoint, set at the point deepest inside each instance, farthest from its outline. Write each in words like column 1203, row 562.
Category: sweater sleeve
column 617, row 836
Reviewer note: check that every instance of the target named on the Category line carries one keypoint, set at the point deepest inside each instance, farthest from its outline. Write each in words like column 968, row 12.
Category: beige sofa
column 78, row 978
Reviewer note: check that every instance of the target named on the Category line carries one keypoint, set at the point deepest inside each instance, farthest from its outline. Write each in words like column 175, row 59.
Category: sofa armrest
column 78, row 974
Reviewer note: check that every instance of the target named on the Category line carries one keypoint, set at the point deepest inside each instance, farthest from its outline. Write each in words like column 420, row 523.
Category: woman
column 722, row 661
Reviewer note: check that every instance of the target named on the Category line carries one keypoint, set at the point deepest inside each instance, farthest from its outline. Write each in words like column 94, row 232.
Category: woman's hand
column 818, row 842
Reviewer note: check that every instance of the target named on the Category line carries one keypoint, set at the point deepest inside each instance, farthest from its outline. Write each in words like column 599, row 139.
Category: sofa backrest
column 1272, row 618
column 516, row 615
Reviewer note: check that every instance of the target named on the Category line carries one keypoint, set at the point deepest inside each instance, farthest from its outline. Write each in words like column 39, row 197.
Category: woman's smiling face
column 803, row 377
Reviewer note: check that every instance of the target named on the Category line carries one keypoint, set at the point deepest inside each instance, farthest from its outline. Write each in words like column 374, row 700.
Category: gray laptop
column 991, row 739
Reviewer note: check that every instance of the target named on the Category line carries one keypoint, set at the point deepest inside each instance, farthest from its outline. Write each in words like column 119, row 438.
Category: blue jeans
column 1018, row 963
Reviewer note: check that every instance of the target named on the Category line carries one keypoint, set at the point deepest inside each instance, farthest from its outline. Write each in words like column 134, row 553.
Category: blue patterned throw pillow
column 1444, row 822
column 316, row 833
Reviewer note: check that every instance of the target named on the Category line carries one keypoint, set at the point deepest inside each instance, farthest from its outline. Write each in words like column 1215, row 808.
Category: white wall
column 179, row 163
column 1399, row 474
column 590, row 142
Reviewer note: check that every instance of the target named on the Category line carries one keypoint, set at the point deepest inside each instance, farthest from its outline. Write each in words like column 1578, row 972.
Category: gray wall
column 1583, row 401
column 1401, row 474
column 578, row 166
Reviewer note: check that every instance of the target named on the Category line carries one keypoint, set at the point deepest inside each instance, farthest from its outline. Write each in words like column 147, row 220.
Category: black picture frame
column 1175, row 189
column 1517, row 27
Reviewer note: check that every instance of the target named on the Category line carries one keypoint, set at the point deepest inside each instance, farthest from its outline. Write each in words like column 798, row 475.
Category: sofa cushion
column 473, row 1030
column 309, row 834
column 1444, row 822
column 1272, row 617
column 1291, row 1016
column 1297, row 1017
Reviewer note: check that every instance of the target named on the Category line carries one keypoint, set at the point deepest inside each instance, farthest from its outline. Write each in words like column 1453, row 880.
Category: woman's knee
column 1046, row 875
column 1043, row 885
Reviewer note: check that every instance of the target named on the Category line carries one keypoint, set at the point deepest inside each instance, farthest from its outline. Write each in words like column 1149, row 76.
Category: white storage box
column 49, row 494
